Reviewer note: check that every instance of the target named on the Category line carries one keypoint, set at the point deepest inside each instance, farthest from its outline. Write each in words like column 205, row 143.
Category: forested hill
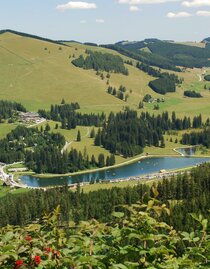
column 167, row 53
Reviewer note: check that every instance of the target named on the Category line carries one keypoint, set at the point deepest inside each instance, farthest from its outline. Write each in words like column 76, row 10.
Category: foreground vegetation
column 134, row 238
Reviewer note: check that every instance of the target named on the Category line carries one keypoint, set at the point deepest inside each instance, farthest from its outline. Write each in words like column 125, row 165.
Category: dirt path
column 66, row 146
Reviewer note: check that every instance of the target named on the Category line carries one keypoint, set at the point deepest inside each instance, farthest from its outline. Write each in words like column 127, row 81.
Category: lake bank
column 137, row 168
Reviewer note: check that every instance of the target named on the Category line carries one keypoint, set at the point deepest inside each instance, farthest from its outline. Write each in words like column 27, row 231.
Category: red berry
column 28, row 238
column 37, row 260
column 18, row 264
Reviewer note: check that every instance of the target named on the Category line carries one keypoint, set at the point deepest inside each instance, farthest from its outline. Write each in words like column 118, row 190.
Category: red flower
column 37, row 260
column 28, row 238
column 18, row 264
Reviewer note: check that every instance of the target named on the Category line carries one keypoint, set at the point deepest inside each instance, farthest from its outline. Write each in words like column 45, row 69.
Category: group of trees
column 51, row 160
column 22, row 141
column 147, row 98
column 127, row 134
column 70, row 119
column 58, row 112
column 157, row 73
column 162, row 85
column 192, row 94
column 119, row 93
column 101, row 62
column 197, row 138
column 42, row 152
column 165, row 83
column 8, row 109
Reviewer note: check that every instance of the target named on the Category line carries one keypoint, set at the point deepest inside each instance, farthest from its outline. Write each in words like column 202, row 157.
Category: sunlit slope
column 39, row 73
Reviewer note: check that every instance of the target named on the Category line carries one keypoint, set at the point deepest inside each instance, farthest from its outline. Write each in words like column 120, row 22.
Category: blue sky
column 108, row 21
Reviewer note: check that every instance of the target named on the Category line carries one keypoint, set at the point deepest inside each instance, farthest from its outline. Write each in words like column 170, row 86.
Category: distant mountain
column 136, row 45
column 165, row 54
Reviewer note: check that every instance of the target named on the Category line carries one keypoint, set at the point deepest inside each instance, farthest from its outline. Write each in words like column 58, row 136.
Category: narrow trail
column 66, row 146
column 88, row 132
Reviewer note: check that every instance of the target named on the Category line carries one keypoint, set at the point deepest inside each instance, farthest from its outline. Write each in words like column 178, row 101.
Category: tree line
column 197, row 138
column 70, row 119
column 50, row 160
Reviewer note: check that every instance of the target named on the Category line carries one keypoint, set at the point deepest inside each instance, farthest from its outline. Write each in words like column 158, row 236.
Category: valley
column 86, row 130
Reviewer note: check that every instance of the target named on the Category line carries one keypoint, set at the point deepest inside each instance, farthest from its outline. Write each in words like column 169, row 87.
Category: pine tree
column 78, row 136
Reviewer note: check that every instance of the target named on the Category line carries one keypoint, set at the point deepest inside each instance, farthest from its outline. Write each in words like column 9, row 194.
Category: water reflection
column 145, row 167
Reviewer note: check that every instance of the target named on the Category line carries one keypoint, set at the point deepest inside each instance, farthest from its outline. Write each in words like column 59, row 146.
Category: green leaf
column 118, row 214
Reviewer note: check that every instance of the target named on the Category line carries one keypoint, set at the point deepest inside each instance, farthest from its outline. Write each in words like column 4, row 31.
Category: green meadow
column 38, row 74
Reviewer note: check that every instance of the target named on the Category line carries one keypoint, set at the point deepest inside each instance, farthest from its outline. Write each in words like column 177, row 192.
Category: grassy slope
column 38, row 77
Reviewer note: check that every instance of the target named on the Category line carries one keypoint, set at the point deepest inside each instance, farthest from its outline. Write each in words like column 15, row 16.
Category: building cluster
column 30, row 117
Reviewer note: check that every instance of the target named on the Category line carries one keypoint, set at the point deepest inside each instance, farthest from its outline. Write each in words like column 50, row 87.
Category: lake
column 139, row 168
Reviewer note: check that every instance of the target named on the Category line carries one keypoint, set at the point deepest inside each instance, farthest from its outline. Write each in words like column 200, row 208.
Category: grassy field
column 6, row 128
column 7, row 190
column 41, row 73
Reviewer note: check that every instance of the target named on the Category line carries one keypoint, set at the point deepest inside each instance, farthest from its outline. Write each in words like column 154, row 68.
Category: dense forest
column 145, row 57
column 177, row 54
column 163, row 54
column 192, row 94
column 101, row 62
column 162, row 85
column 21, row 140
column 127, row 134
column 182, row 55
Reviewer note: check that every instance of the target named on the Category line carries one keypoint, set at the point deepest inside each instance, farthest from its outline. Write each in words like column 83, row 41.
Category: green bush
column 135, row 238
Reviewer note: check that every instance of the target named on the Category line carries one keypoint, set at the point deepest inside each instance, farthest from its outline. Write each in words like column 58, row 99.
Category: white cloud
column 172, row 15
column 76, row 5
column 83, row 21
column 134, row 8
column 196, row 3
column 139, row 2
column 100, row 21
column 203, row 13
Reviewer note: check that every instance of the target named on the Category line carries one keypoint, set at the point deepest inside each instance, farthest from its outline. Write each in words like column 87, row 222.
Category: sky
column 108, row 21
